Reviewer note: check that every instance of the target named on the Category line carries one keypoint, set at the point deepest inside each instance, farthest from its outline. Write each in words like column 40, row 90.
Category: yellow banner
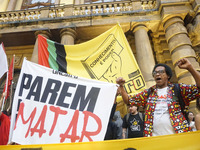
column 106, row 58
column 182, row 141
column 103, row 58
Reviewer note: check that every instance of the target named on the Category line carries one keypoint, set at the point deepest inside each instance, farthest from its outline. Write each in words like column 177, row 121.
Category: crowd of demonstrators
column 133, row 123
column 163, row 113
column 4, row 125
column 190, row 119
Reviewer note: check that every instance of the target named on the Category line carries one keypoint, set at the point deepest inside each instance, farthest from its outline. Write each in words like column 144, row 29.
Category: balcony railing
column 68, row 11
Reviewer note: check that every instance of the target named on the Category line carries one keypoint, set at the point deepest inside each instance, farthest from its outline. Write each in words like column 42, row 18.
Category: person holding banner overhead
column 164, row 110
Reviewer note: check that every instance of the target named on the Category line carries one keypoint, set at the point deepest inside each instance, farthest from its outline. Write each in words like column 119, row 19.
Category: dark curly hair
column 168, row 70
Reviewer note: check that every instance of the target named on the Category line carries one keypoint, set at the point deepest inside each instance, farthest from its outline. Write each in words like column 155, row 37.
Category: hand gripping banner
column 51, row 106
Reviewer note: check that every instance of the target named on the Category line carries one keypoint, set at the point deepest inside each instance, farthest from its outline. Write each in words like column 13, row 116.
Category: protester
column 4, row 125
column 190, row 119
column 133, row 123
column 111, row 132
column 163, row 113
column 4, row 128
column 118, row 121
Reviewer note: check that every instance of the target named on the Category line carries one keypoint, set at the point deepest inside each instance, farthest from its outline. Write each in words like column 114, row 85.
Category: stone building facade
column 158, row 31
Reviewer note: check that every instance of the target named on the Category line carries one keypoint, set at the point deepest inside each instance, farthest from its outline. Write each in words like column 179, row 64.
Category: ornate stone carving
column 194, row 31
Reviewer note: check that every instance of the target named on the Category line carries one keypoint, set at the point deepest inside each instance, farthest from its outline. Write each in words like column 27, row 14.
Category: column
column 180, row 47
column 68, row 35
column 11, row 5
column 144, row 54
column 46, row 34
column 3, row 5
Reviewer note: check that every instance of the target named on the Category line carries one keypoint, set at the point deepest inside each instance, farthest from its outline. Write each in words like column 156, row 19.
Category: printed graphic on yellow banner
column 103, row 58
column 110, row 57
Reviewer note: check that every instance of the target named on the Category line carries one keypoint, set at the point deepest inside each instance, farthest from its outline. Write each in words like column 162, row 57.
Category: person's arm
column 124, row 133
column 1, row 100
column 120, row 81
column 185, row 64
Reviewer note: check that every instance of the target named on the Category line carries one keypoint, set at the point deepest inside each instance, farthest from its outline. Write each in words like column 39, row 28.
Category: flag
column 3, row 61
column 103, row 58
column 9, row 78
column 51, row 54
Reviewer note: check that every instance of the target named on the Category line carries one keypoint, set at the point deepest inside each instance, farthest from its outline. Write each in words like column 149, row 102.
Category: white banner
column 3, row 61
column 56, row 107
